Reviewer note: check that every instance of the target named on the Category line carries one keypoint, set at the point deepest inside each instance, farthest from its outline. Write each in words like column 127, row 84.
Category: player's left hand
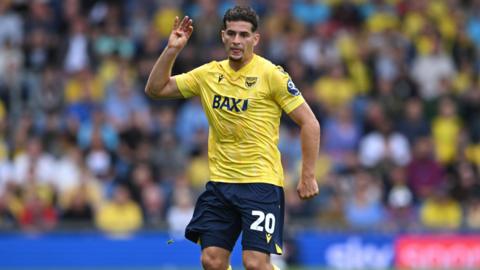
column 307, row 188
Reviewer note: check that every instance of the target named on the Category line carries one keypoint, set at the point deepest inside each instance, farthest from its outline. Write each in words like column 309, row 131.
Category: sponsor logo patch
column 292, row 89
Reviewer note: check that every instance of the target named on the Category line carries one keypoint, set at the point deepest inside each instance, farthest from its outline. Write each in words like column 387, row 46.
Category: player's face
column 239, row 40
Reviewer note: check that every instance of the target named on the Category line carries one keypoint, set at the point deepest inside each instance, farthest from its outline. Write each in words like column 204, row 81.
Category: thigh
column 262, row 210
column 215, row 222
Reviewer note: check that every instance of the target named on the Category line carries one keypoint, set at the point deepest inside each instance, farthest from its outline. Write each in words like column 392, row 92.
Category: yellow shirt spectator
column 441, row 213
column 335, row 90
column 90, row 188
column 446, row 128
column 360, row 76
column 382, row 21
column 198, row 173
column 446, row 132
column 463, row 80
column 84, row 84
column 424, row 45
column 413, row 23
column 439, row 11
column 163, row 20
column 473, row 153
column 121, row 215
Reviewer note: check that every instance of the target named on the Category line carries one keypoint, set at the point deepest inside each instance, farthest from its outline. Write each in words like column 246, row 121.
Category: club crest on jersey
column 292, row 89
column 250, row 81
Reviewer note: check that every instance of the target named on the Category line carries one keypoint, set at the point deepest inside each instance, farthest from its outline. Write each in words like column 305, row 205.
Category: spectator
column 180, row 213
column 341, row 136
column 428, row 70
column 78, row 51
column 37, row 215
column 12, row 25
column 363, row 209
column 400, row 201
column 34, row 161
column 153, row 205
column 472, row 215
column 121, row 215
column 384, row 146
column 78, row 211
column 123, row 102
column 424, row 174
column 440, row 211
column 191, row 120
column 7, row 218
column 89, row 186
column 197, row 171
column 97, row 125
column 335, row 89
column 446, row 129
column 413, row 124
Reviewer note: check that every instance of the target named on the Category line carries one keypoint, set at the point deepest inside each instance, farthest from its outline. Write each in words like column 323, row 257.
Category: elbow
column 314, row 125
column 152, row 91
column 148, row 91
column 314, row 128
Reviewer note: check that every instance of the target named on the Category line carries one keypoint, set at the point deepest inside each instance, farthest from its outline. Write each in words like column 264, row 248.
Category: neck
column 237, row 65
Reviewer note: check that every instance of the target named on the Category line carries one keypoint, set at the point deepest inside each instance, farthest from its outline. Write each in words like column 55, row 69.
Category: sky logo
column 354, row 254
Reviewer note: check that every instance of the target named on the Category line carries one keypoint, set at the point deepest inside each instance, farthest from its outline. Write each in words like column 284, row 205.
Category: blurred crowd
column 394, row 84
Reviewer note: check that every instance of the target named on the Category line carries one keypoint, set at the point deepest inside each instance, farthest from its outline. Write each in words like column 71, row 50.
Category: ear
column 256, row 38
column 222, row 33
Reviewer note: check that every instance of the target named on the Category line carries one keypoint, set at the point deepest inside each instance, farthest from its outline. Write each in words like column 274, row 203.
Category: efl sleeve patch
column 292, row 89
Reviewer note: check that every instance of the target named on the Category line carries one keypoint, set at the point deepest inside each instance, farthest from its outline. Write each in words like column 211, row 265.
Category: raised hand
column 181, row 32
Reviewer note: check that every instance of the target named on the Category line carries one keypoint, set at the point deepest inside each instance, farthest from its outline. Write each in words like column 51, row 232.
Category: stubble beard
column 234, row 59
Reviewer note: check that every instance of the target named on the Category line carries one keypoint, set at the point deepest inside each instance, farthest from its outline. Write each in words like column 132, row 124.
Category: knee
column 212, row 262
column 253, row 263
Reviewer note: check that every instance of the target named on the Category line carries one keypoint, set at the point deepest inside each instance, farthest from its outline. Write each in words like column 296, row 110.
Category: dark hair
column 239, row 13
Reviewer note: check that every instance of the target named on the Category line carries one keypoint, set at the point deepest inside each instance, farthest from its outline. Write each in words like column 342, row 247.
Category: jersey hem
column 249, row 181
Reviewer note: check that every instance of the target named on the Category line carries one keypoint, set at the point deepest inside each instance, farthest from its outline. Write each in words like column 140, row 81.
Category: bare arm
column 310, row 137
column 160, row 84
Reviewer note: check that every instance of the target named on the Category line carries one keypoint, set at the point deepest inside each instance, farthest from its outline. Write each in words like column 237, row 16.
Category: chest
column 236, row 94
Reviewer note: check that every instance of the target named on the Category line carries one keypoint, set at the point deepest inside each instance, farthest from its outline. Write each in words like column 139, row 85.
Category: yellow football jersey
column 243, row 108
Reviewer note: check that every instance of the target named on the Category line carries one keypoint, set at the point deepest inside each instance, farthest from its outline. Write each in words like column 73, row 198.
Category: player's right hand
column 307, row 188
column 181, row 32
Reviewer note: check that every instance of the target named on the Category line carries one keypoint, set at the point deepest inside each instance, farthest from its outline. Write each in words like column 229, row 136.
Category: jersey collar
column 234, row 75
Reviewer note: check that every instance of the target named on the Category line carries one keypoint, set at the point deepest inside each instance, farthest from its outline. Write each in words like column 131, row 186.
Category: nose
column 236, row 39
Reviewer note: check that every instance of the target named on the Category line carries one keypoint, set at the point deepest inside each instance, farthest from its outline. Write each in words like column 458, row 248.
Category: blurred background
column 94, row 174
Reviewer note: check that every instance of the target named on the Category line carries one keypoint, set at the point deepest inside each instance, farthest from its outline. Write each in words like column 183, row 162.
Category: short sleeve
column 284, row 91
column 189, row 83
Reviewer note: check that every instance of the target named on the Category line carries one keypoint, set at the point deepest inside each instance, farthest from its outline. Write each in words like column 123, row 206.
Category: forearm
column 310, row 139
column 161, row 72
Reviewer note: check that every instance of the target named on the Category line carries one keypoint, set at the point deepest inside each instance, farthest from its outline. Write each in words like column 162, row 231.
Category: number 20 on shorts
column 268, row 221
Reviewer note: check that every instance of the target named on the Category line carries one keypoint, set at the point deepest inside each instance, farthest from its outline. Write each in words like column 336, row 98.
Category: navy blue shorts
column 225, row 210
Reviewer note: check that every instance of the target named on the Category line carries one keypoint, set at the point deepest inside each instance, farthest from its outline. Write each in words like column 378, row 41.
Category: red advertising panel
column 438, row 252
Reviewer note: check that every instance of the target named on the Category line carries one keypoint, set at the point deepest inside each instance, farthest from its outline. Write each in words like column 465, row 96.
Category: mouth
column 236, row 50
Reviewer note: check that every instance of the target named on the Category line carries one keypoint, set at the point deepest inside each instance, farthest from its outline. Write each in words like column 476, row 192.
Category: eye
column 244, row 34
column 231, row 33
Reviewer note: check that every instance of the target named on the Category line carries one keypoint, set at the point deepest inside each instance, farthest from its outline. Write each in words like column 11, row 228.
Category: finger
column 175, row 23
column 308, row 196
column 183, row 22
column 189, row 30
column 187, row 25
